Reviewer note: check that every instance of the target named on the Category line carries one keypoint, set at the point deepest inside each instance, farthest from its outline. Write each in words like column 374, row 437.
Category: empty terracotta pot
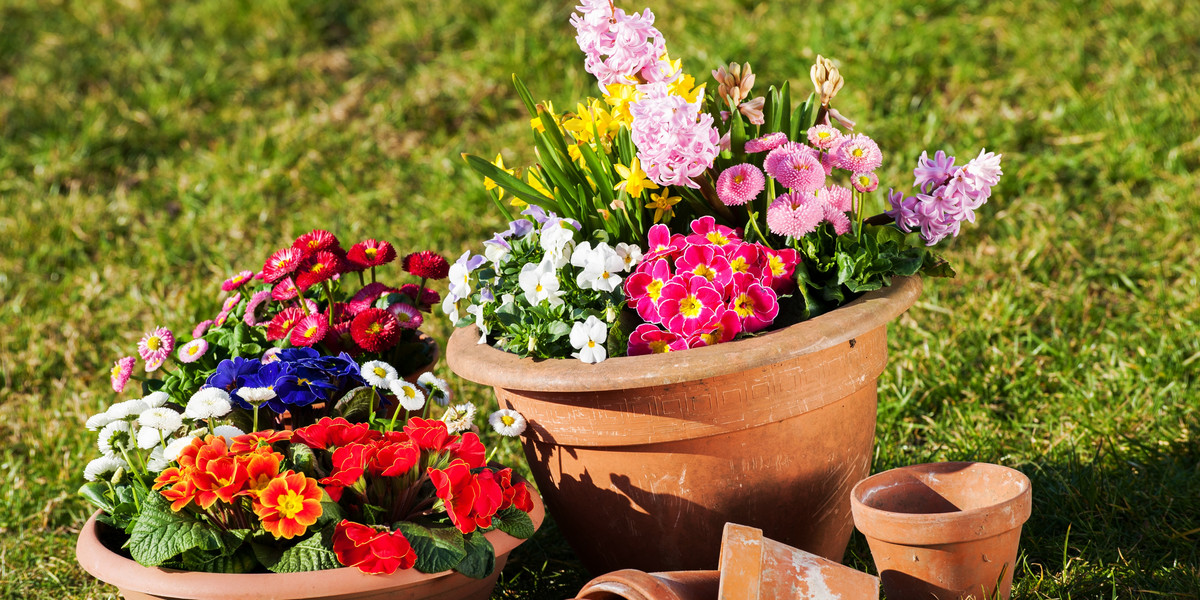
column 757, row 568
column 630, row 584
column 944, row 530
column 136, row 582
column 642, row 460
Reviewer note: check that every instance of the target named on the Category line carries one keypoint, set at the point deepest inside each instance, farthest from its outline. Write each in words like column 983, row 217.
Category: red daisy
column 316, row 241
column 428, row 298
column 310, row 330
column 371, row 253
column 375, row 330
column 236, row 281
column 320, row 266
column 427, row 264
column 283, row 323
column 281, row 264
column 285, row 290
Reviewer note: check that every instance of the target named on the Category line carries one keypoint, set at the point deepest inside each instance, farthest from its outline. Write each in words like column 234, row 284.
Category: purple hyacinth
column 948, row 195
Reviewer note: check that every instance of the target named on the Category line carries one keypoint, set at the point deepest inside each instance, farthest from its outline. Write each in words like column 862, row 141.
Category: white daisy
column 255, row 396
column 161, row 418
column 409, row 396
column 507, row 422
column 379, row 373
column 156, row 399
column 113, row 437
column 436, row 388
column 227, row 431
column 96, row 422
column 149, row 437
column 156, row 463
column 102, row 466
column 128, row 408
column 459, row 418
column 209, row 403
column 174, row 447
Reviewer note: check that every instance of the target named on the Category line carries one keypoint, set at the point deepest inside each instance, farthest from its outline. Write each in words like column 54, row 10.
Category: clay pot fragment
column 944, row 531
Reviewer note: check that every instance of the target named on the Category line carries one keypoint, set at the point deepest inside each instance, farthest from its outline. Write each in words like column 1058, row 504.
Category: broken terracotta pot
column 642, row 460
column 944, row 530
column 752, row 568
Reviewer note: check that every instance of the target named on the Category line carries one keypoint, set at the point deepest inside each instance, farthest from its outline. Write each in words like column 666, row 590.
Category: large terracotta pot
column 136, row 582
column 642, row 460
column 944, row 531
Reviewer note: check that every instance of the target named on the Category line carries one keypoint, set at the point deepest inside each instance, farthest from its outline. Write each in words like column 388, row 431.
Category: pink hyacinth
column 156, row 346
column 740, row 184
column 932, row 172
column 857, row 153
column 766, row 143
column 237, row 281
column 256, row 302
column 121, row 371
column 823, row 136
column 795, row 214
column 675, row 140
column 620, row 48
column 649, row 339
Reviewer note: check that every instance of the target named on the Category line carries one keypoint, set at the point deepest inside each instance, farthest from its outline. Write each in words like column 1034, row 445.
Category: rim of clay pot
column 486, row 365
column 940, row 527
column 114, row 569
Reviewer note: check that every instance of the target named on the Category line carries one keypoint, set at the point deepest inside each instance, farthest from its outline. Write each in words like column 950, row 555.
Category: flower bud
column 826, row 79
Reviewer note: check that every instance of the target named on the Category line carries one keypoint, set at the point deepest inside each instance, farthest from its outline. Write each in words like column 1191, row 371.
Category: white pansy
column 126, row 409
column 409, row 396
column 255, row 396
column 209, row 403
column 174, row 447
column 149, row 437
column 507, row 422
column 540, row 282
column 161, row 418
column 227, row 431
column 156, row 463
column 600, row 270
column 588, row 338
column 484, row 329
column 96, row 422
column 450, row 307
column 495, row 252
column 156, row 399
column 557, row 239
column 379, row 373
column 459, row 277
column 630, row 255
column 102, row 466
column 114, row 437
column 458, row 418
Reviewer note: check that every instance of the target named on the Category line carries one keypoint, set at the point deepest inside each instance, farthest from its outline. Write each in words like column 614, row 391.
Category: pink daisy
column 283, row 323
column 767, row 142
column 823, row 136
column 256, row 302
column 156, row 346
column 231, row 302
column 370, row 253
column 315, row 241
column 192, row 351
column 740, row 184
column 799, row 171
column 237, row 281
column 837, row 218
column 285, row 290
column 794, row 214
column 407, row 316
column 201, row 328
column 857, row 153
column 865, row 182
column 121, row 371
column 281, row 264
column 310, row 330
column 837, row 197
column 320, row 266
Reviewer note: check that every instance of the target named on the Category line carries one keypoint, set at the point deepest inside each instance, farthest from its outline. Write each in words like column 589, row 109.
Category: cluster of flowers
column 537, row 265
column 948, row 195
column 705, row 288
column 620, row 48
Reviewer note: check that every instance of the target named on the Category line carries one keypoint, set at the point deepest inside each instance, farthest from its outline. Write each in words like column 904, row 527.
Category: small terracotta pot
column 642, row 460
column 757, row 568
column 630, row 584
column 136, row 582
column 944, row 530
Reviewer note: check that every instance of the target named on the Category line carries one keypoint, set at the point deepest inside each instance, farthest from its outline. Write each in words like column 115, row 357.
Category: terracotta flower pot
column 631, row 584
column 136, row 582
column 944, row 530
column 642, row 460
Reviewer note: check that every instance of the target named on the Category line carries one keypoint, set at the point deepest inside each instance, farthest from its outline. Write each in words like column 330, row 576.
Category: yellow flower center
column 714, row 337
column 311, row 331
column 409, row 392
column 538, row 288
column 864, row 181
column 739, row 265
column 704, row 271
column 403, row 317
column 317, row 267
column 508, row 420
column 379, row 372
column 659, row 347
column 116, row 370
column 192, row 350
column 374, row 328
column 717, row 238
column 857, row 152
column 776, row 266
column 823, row 134
column 370, row 252
column 744, row 306
column 290, row 504
column 153, row 343
column 654, row 289
column 690, row 307
column 738, row 178
column 591, row 344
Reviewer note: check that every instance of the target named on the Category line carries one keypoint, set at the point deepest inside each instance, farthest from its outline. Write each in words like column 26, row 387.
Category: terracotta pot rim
column 486, row 365
column 947, row 527
column 114, row 569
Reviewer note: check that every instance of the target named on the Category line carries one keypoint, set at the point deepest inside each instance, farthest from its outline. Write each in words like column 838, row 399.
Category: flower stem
column 329, row 299
column 255, row 425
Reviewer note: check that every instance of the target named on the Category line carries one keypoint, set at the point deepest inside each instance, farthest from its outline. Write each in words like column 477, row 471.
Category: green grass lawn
column 147, row 149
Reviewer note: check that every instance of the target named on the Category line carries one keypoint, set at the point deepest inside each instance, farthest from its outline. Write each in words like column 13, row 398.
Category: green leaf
column 558, row 330
column 356, row 405
column 96, row 493
column 785, row 110
column 514, row 522
column 302, row 458
column 526, row 97
column 511, row 184
column 439, row 548
column 312, row 554
column 159, row 534
column 481, row 557
column 937, row 266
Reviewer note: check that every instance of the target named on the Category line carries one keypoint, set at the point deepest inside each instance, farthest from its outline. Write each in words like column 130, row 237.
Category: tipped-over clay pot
column 631, row 584
column 944, row 530
column 642, row 460
column 136, row 582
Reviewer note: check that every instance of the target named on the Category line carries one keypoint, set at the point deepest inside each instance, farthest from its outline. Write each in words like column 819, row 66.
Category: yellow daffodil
column 634, row 179
column 535, row 182
column 536, row 122
column 488, row 184
column 685, row 87
column 663, row 205
column 619, row 97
